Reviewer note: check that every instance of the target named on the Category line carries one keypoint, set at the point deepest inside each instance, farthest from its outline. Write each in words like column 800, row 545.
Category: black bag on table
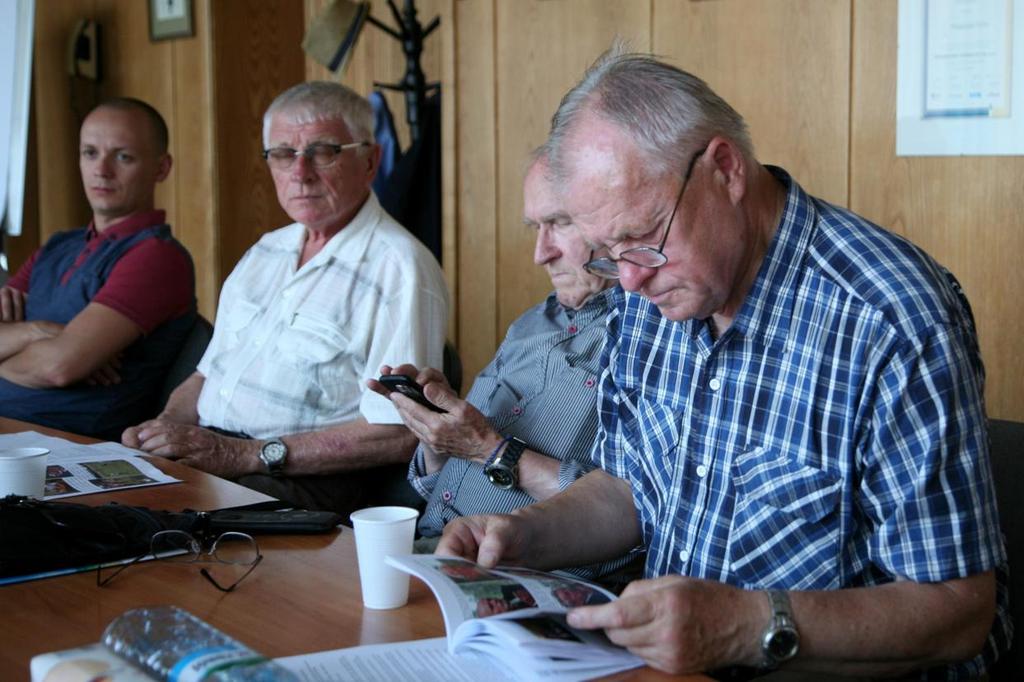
column 38, row 536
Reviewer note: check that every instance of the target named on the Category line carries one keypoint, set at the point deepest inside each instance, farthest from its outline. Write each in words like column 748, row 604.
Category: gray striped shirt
column 541, row 387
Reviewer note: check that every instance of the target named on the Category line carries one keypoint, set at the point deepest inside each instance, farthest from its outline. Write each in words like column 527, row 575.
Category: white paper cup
column 382, row 532
column 23, row 471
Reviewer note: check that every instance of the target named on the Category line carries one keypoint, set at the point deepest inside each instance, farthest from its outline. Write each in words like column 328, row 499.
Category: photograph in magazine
column 480, row 592
column 514, row 618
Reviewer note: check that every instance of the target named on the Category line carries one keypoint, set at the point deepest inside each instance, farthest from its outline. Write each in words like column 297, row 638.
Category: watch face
column 500, row 477
column 782, row 644
column 274, row 452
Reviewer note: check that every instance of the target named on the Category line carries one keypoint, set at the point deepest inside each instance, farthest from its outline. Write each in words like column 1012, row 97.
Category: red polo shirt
column 150, row 284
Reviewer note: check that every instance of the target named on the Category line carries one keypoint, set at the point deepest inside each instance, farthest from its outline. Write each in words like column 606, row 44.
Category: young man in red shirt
column 89, row 324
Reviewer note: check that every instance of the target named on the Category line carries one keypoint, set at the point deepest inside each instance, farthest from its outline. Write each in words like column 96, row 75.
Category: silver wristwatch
column 503, row 468
column 780, row 641
column 273, row 455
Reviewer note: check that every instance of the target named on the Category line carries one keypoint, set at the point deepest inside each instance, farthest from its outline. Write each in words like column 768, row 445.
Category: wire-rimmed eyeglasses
column 177, row 546
column 321, row 154
column 643, row 256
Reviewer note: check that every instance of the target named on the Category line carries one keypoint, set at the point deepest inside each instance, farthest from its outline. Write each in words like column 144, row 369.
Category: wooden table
column 302, row 598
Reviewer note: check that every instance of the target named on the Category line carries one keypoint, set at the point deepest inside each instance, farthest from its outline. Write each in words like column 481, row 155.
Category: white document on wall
column 960, row 80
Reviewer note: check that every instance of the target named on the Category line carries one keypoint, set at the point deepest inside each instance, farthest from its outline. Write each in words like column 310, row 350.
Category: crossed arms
column 42, row 354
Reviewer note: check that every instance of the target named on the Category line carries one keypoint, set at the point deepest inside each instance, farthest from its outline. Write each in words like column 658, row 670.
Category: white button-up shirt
column 292, row 348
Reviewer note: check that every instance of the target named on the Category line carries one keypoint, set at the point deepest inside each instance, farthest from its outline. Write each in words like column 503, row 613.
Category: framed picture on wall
column 170, row 19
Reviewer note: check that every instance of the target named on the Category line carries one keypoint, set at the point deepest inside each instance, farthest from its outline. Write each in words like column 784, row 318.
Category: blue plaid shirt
column 834, row 436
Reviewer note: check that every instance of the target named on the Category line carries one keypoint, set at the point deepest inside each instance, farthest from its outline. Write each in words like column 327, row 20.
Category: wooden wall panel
column 784, row 66
column 445, row 37
column 192, row 133
column 257, row 54
column 475, row 95
column 539, row 57
column 965, row 211
column 62, row 202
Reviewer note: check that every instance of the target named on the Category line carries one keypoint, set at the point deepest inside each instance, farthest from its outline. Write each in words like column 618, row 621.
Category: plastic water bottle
column 172, row 644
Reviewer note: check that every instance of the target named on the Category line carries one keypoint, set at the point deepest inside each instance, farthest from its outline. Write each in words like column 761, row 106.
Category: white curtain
column 16, row 33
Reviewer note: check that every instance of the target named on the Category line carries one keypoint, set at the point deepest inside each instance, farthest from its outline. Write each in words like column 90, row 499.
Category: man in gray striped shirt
column 535, row 402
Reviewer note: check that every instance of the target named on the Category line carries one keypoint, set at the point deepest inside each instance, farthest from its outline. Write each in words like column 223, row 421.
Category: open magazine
column 515, row 618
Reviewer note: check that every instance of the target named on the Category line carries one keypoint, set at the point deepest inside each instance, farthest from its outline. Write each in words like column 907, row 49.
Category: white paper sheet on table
column 76, row 469
column 423, row 660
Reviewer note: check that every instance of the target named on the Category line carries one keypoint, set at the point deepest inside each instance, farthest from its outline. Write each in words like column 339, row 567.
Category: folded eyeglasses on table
column 177, row 546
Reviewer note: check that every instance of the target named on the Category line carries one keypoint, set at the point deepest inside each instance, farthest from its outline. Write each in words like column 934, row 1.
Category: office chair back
column 452, row 367
column 188, row 357
column 1006, row 449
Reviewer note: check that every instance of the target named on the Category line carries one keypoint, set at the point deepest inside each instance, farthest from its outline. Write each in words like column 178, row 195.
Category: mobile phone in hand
column 409, row 388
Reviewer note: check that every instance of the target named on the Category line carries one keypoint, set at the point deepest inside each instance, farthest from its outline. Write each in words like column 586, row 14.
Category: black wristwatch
column 780, row 641
column 503, row 469
column 273, row 455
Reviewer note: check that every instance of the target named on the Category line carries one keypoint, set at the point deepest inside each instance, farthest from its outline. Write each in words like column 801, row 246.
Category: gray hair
column 667, row 112
column 323, row 101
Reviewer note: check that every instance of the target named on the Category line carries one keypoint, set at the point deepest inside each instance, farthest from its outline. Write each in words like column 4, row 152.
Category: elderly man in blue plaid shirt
column 791, row 410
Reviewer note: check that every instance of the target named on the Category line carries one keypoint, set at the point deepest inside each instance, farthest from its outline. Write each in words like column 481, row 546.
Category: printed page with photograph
column 75, row 469
column 515, row 617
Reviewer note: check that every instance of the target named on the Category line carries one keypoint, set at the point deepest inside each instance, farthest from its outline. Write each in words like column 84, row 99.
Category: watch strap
column 496, row 450
column 513, row 451
column 780, row 640
column 503, row 466
column 778, row 600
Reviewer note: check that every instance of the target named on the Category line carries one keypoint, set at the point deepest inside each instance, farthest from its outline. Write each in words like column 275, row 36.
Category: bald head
column 122, row 156
column 150, row 119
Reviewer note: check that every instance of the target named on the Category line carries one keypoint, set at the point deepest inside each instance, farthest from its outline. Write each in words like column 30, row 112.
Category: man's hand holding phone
column 449, row 426
column 405, row 385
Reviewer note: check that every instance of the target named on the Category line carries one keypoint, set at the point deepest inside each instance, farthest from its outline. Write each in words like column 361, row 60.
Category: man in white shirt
column 309, row 313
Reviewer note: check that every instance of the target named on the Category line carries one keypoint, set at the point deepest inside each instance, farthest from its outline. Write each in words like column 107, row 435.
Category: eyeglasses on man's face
column 177, row 546
column 643, row 256
column 320, row 154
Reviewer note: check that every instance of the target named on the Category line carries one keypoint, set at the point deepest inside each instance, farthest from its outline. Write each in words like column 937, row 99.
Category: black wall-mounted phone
column 84, row 50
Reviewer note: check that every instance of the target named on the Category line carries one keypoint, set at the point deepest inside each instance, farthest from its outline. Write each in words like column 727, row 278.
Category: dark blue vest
column 100, row 411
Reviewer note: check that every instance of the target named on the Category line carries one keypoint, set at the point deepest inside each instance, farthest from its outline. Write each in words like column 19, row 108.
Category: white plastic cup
column 23, row 471
column 382, row 532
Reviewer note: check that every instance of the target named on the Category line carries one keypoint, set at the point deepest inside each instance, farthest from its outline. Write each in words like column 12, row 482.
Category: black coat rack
column 411, row 35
